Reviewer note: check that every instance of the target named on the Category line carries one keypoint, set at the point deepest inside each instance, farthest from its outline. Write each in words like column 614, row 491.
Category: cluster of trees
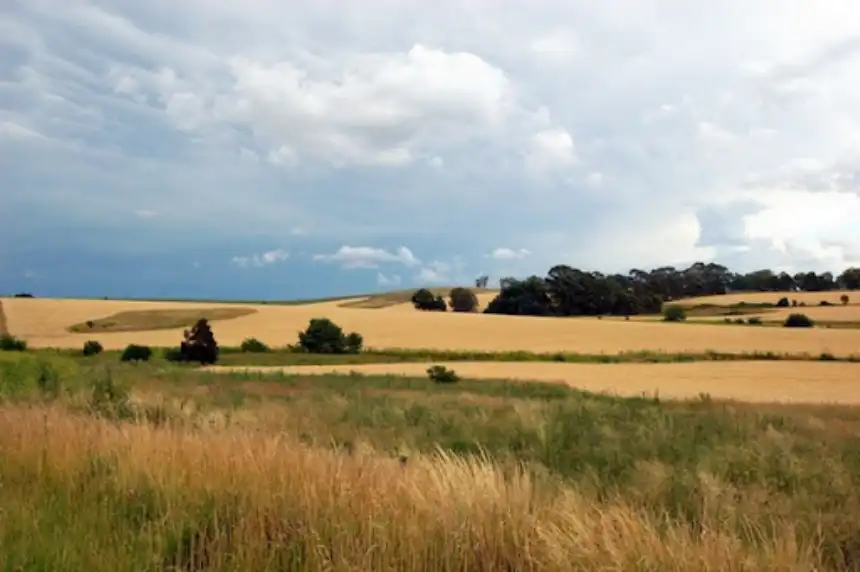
column 567, row 291
column 459, row 299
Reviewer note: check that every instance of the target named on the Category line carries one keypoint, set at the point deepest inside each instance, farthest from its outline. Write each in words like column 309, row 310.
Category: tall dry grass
column 80, row 493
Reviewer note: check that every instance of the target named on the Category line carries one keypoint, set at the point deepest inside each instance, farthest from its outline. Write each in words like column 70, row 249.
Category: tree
column 463, row 300
column 424, row 299
column 322, row 336
column 798, row 321
column 782, row 302
column 844, row 299
column 199, row 344
column 482, row 281
column 849, row 279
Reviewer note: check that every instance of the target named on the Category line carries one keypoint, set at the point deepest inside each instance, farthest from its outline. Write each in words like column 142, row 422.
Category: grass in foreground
column 143, row 320
column 245, row 472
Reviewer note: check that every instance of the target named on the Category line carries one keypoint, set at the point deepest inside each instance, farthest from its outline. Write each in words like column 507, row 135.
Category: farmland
column 571, row 443
column 46, row 323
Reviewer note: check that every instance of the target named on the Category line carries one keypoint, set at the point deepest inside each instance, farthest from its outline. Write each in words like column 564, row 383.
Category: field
column 809, row 382
column 735, row 450
column 45, row 323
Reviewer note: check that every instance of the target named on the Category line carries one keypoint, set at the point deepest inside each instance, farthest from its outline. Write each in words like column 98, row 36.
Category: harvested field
column 850, row 313
column 810, row 298
column 3, row 328
column 44, row 323
column 763, row 382
column 144, row 320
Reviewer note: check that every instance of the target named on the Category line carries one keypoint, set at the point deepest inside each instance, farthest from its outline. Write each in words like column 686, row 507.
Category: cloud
column 145, row 213
column 451, row 127
column 258, row 260
column 509, row 254
column 368, row 257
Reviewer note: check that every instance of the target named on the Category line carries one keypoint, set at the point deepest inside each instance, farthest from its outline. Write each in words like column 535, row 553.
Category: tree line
column 567, row 291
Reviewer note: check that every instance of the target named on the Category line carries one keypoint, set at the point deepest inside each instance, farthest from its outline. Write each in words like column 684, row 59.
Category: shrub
column 253, row 345
column 798, row 321
column 92, row 348
column 323, row 336
column 441, row 374
column 794, row 303
column 754, row 321
column 674, row 313
column 199, row 344
column 353, row 342
column 844, row 299
column 824, row 303
column 463, row 300
column 782, row 302
column 802, row 304
column 172, row 354
column 10, row 343
column 424, row 299
column 23, row 295
column 135, row 352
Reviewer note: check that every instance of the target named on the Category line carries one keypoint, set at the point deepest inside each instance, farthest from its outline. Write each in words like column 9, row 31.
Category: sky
column 270, row 149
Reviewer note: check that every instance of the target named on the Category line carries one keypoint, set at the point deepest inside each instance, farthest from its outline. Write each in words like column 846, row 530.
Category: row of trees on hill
column 702, row 279
column 567, row 291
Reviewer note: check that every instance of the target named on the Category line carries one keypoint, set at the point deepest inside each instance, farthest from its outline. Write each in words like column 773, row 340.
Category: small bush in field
column 782, row 302
column 441, row 374
column 12, row 344
column 844, row 299
column 135, row 352
column 674, row 313
column 754, row 321
column 798, row 321
column 253, row 345
column 92, row 348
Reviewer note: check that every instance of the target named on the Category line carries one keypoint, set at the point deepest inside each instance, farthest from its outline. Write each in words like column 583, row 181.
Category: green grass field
column 158, row 467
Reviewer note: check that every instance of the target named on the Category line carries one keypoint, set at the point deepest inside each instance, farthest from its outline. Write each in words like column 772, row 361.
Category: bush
column 92, row 348
column 463, row 300
column 199, row 344
column 134, row 352
column 844, row 299
column 323, row 336
column 23, row 295
column 824, row 303
column 798, row 321
column 794, row 303
column 782, row 302
column 754, row 321
column 253, row 345
column 424, row 299
column 674, row 313
column 441, row 374
column 12, row 344
column 172, row 354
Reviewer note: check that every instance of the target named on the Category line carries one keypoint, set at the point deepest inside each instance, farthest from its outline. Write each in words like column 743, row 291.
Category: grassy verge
column 245, row 472
column 145, row 320
column 286, row 357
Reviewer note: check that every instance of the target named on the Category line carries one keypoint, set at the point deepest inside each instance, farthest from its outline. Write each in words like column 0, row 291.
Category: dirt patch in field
column 146, row 320
column 4, row 328
column 758, row 382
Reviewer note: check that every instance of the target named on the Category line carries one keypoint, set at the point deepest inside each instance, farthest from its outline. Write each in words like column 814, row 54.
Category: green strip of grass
column 286, row 357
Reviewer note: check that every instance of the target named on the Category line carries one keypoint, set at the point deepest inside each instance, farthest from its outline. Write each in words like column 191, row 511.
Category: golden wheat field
column 798, row 382
column 849, row 313
column 809, row 298
column 44, row 323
